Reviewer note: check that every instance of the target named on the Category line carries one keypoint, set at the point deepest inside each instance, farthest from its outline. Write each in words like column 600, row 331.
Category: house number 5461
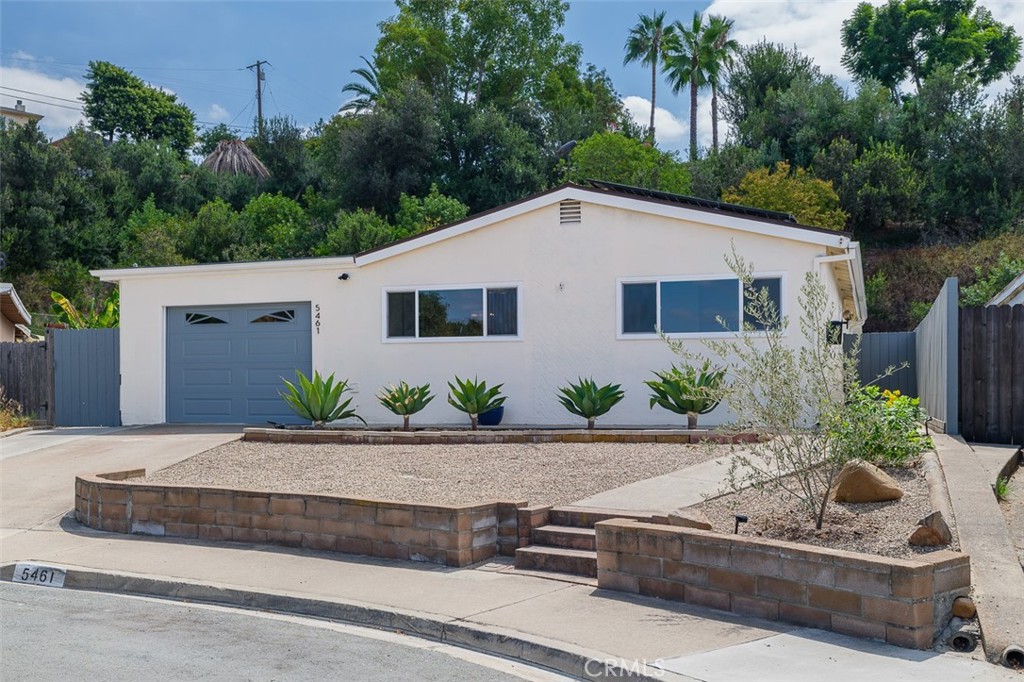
column 317, row 324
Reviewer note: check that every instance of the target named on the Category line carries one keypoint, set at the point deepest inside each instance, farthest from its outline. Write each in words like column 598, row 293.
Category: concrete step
column 558, row 560
column 586, row 517
column 569, row 537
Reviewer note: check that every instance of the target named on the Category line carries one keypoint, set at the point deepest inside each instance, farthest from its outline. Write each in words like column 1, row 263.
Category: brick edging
column 904, row 602
column 488, row 436
column 449, row 535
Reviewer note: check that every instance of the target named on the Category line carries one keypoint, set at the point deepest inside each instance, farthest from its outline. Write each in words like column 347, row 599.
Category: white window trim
column 518, row 286
column 657, row 281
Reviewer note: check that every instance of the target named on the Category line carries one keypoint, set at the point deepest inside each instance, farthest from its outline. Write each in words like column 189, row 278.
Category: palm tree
column 721, row 50
column 686, row 60
column 646, row 44
column 366, row 93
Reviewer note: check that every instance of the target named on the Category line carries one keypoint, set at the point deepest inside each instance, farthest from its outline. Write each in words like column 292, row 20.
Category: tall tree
column 483, row 52
column 720, row 49
column 686, row 61
column 119, row 103
column 366, row 92
column 646, row 44
column 911, row 38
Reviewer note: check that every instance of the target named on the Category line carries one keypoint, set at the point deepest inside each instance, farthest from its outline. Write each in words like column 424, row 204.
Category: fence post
column 51, row 395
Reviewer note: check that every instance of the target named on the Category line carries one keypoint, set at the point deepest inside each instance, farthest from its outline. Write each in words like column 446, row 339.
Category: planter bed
column 546, row 473
column 487, row 435
column 880, row 528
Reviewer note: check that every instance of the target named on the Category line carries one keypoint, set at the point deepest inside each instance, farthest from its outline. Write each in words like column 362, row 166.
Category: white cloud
column 55, row 97
column 217, row 113
column 812, row 27
column 672, row 131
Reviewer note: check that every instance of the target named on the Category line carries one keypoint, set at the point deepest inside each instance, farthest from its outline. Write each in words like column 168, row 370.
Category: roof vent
column 570, row 212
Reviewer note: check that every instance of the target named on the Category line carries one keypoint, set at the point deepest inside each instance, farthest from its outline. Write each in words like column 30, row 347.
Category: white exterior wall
column 568, row 276
column 6, row 329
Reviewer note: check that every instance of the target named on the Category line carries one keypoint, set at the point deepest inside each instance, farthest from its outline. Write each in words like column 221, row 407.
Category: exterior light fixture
column 344, row 276
column 835, row 332
column 740, row 518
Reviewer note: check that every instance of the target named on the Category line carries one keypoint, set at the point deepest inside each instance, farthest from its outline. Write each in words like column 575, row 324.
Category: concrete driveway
column 38, row 468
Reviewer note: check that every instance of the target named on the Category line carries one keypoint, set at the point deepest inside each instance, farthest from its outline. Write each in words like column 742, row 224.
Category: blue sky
column 199, row 50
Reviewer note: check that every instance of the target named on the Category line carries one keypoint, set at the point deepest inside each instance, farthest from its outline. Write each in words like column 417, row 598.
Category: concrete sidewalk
column 550, row 622
column 490, row 607
column 663, row 494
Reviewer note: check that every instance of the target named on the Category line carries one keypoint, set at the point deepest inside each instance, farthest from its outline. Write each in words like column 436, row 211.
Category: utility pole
column 260, row 77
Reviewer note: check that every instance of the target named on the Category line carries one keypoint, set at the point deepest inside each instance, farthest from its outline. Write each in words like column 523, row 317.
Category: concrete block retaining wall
column 904, row 602
column 451, row 536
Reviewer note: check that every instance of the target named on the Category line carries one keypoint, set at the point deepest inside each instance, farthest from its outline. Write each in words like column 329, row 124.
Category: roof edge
column 7, row 289
column 325, row 263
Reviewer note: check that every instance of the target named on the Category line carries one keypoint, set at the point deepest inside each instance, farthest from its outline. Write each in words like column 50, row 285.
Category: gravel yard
column 547, row 473
column 875, row 528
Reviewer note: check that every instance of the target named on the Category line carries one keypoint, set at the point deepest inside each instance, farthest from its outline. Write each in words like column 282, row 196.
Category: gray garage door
column 225, row 363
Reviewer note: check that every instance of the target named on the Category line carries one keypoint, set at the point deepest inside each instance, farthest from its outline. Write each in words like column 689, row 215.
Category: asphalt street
column 60, row 634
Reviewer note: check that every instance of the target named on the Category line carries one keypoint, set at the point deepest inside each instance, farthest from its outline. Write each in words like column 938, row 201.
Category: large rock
column 863, row 482
column 932, row 531
column 689, row 517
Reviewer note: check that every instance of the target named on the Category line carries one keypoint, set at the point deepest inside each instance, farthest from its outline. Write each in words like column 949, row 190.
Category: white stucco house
column 570, row 282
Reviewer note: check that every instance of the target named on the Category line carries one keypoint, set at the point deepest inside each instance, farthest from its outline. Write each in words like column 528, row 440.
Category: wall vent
column 570, row 212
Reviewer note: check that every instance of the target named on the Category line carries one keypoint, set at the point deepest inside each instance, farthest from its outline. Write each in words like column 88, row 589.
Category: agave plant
column 473, row 397
column 319, row 400
column 687, row 390
column 589, row 401
column 405, row 400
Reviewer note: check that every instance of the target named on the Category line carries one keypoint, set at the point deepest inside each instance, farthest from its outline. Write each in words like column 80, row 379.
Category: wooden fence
column 992, row 374
column 70, row 379
column 26, row 375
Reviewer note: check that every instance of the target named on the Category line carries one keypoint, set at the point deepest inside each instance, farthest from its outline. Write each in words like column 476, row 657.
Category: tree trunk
column 590, row 422
column 474, row 421
column 691, row 420
column 714, row 117
column 693, row 114
column 654, row 92
column 821, row 511
column 405, row 422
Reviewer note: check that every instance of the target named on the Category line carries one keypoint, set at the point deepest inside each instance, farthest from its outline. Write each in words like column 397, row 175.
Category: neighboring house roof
column 19, row 114
column 1012, row 294
column 11, row 306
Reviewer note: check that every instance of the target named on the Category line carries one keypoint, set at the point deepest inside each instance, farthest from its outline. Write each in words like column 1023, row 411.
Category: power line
column 130, row 68
column 29, row 92
column 50, row 104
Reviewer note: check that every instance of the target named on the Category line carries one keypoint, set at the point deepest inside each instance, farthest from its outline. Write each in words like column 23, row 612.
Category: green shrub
column 589, row 401
column 687, row 390
column 319, row 400
column 473, row 397
column 882, row 426
column 405, row 400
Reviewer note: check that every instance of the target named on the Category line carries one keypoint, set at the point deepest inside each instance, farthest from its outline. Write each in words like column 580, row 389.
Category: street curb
column 553, row 655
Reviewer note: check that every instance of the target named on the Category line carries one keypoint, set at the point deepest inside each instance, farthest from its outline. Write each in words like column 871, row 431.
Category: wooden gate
column 992, row 374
